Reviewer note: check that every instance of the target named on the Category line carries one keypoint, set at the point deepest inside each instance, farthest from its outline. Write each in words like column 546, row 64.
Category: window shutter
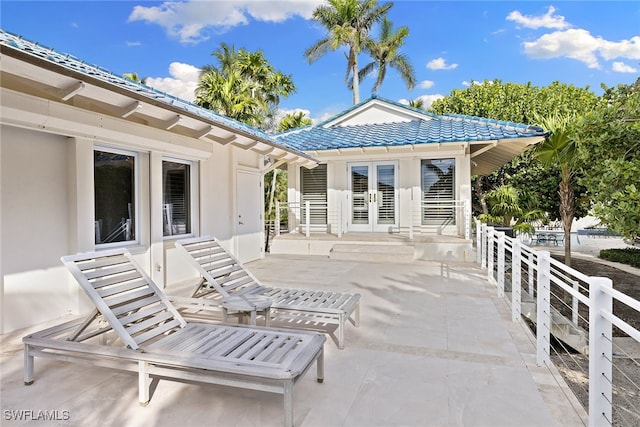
column 314, row 190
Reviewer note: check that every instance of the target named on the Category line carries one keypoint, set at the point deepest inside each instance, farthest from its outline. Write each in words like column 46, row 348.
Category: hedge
column 630, row 256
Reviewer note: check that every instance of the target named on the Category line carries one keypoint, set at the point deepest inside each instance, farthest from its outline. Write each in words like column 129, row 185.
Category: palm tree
column 294, row 120
column 417, row 103
column 385, row 52
column 134, row 77
column 348, row 23
column 509, row 207
column 559, row 149
column 243, row 85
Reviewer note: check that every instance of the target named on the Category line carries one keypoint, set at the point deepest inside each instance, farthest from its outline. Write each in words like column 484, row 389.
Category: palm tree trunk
column 480, row 195
column 356, row 81
column 567, row 212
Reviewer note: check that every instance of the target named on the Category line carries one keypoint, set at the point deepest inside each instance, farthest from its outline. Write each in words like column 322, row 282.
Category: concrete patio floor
column 435, row 347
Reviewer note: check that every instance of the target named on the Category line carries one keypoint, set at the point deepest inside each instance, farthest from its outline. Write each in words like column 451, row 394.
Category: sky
column 451, row 44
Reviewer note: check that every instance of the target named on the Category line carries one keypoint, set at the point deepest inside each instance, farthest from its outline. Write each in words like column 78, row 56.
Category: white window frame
column 136, row 194
column 193, row 190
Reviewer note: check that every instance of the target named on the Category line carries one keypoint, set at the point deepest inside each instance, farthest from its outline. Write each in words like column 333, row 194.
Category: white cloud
column 548, row 20
column 426, row 99
column 621, row 67
column 440, row 64
column 133, row 44
column 182, row 83
column 426, row 84
column 191, row 21
column 281, row 113
column 476, row 83
column 580, row 45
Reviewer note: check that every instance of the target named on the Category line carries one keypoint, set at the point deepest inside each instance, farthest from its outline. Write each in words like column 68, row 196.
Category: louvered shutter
column 314, row 190
column 438, row 189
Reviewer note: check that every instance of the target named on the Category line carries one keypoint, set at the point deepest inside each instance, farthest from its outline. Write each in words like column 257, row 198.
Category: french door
column 374, row 196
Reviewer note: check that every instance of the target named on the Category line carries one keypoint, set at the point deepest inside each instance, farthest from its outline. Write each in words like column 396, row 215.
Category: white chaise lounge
column 223, row 275
column 135, row 328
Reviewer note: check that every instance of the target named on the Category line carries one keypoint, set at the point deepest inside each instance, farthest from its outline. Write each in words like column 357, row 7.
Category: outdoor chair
column 223, row 275
column 135, row 328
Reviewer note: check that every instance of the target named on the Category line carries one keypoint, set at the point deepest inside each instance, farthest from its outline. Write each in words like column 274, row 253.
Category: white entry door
column 374, row 196
column 249, row 220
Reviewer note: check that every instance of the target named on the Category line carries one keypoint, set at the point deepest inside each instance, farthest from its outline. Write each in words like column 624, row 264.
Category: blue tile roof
column 428, row 129
column 72, row 63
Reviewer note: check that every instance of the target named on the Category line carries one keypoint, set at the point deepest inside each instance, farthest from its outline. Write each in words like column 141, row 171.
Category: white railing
column 576, row 309
column 296, row 212
column 442, row 214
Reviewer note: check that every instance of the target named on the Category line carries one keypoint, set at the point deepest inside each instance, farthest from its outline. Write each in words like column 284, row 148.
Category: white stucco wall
column 47, row 211
column 34, row 228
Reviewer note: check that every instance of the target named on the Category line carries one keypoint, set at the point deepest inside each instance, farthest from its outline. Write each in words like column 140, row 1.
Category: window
column 176, row 196
column 438, row 191
column 314, row 190
column 114, row 195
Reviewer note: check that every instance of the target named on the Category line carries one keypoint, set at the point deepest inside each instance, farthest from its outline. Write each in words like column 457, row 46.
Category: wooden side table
column 248, row 304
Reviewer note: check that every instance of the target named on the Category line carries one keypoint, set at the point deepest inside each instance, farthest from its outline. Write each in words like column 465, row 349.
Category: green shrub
column 628, row 256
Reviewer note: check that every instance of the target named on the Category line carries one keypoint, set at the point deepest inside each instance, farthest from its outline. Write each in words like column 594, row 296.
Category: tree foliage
column 522, row 103
column 348, row 23
column 508, row 204
column 609, row 148
column 293, row 120
column 243, row 85
column 385, row 52
column 559, row 149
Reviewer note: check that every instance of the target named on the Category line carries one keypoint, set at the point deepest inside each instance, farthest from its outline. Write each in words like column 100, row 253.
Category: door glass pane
column 177, row 201
column 360, row 193
column 114, row 184
column 385, row 197
column 438, row 191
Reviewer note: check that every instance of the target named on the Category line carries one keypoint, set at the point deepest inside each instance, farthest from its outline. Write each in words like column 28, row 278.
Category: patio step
column 561, row 327
column 372, row 252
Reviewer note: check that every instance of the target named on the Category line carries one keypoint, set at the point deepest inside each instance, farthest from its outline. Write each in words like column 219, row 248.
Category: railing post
column 411, row 220
column 479, row 248
column 501, row 243
column 276, row 226
column 490, row 257
column 516, row 277
column 531, row 280
column 467, row 219
column 339, row 218
column 485, row 256
column 307, row 211
column 543, row 303
column 574, row 303
column 600, row 353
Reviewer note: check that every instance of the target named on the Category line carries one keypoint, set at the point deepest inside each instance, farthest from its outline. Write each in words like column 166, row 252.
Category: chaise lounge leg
column 357, row 316
column 288, row 403
column 143, row 383
column 320, row 366
column 341, row 331
column 28, row 365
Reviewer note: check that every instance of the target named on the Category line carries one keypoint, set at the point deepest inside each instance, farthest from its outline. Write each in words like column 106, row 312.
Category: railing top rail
column 575, row 273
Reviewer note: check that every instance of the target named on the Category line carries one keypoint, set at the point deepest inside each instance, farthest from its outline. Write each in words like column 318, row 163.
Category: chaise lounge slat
column 232, row 278
column 155, row 341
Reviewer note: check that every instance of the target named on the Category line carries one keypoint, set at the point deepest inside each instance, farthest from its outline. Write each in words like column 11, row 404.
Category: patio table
column 248, row 304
